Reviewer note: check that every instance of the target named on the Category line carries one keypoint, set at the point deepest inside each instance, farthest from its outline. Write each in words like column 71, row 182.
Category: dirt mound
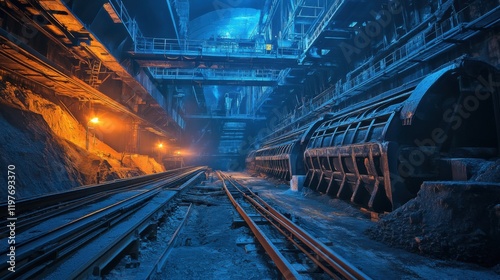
column 488, row 171
column 448, row 220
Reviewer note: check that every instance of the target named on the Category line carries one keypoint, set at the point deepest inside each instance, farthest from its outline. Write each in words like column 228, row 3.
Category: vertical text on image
column 11, row 218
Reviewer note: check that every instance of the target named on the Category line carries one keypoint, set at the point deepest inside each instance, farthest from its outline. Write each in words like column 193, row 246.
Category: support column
column 134, row 141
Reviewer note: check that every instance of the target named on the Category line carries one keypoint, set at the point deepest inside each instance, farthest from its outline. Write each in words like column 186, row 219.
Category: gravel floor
column 345, row 226
column 209, row 245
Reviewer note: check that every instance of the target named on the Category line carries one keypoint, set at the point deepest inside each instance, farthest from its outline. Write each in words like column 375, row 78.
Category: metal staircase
column 94, row 72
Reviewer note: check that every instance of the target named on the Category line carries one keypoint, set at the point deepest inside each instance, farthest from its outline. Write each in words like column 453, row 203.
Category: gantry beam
column 218, row 48
column 119, row 14
column 16, row 58
column 60, row 25
column 215, row 76
column 233, row 118
column 446, row 34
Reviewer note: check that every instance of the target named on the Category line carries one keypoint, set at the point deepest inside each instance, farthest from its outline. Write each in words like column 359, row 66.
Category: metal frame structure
column 269, row 76
column 436, row 39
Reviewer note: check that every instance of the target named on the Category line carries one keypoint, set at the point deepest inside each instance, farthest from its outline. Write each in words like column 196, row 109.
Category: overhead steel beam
column 222, row 48
column 267, row 16
column 327, row 17
column 207, row 74
column 171, row 10
column 40, row 70
column 118, row 13
column 265, row 96
column 69, row 23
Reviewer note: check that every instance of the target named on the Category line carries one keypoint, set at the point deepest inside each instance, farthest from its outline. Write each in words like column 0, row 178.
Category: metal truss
column 208, row 74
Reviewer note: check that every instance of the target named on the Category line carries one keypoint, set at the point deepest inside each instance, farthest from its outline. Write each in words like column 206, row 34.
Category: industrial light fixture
column 94, row 120
column 160, row 150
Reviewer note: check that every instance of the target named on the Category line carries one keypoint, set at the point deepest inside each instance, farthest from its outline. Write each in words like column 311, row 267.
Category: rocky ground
column 447, row 220
column 211, row 247
column 346, row 226
column 210, row 250
column 450, row 220
column 23, row 136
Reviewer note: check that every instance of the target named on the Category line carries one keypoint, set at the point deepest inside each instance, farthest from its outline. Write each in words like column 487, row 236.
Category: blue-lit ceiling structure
column 216, row 75
column 231, row 23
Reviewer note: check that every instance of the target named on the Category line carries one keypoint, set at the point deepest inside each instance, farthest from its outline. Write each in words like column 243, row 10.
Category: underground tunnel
column 250, row 139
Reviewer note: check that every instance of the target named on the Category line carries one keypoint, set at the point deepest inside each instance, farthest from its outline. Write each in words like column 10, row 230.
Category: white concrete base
column 297, row 182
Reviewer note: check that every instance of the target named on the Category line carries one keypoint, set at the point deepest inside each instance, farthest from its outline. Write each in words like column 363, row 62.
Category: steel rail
column 157, row 268
column 281, row 262
column 274, row 220
column 318, row 247
column 123, row 235
column 327, row 265
column 61, row 241
column 59, row 205
column 25, row 222
column 54, row 244
column 155, row 187
column 30, row 219
column 320, row 254
column 43, row 201
column 160, row 262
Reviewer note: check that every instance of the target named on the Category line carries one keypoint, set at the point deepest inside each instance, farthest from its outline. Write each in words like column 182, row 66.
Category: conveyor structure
column 378, row 153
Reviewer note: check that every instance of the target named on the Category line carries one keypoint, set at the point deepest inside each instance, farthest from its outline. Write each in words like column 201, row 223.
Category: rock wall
column 47, row 146
column 39, row 156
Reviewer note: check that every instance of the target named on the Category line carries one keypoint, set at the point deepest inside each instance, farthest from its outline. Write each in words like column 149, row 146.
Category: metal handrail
column 309, row 40
column 227, row 46
column 216, row 74
column 129, row 23
column 369, row 70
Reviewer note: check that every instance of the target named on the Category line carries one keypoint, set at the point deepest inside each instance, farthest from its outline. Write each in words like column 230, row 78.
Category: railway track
column 32, row 211
column 78, row 233
column 55, row 200
column 322, row 256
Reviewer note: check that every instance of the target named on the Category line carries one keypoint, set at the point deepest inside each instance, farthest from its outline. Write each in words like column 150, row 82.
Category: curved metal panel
column 308, row 132
column 413, row 102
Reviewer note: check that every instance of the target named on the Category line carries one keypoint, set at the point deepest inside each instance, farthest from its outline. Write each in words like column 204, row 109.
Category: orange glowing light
column 94, row 120
column 178, row 152
column 160, row 145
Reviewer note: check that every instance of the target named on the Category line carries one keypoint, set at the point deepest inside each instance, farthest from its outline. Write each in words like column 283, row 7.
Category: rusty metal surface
column 329, row 261
column 347, row 156
column 157, row 268
column 282, row 157
column 358, row 172
column 277, row 161
column 377, row 156
column 281, row 262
